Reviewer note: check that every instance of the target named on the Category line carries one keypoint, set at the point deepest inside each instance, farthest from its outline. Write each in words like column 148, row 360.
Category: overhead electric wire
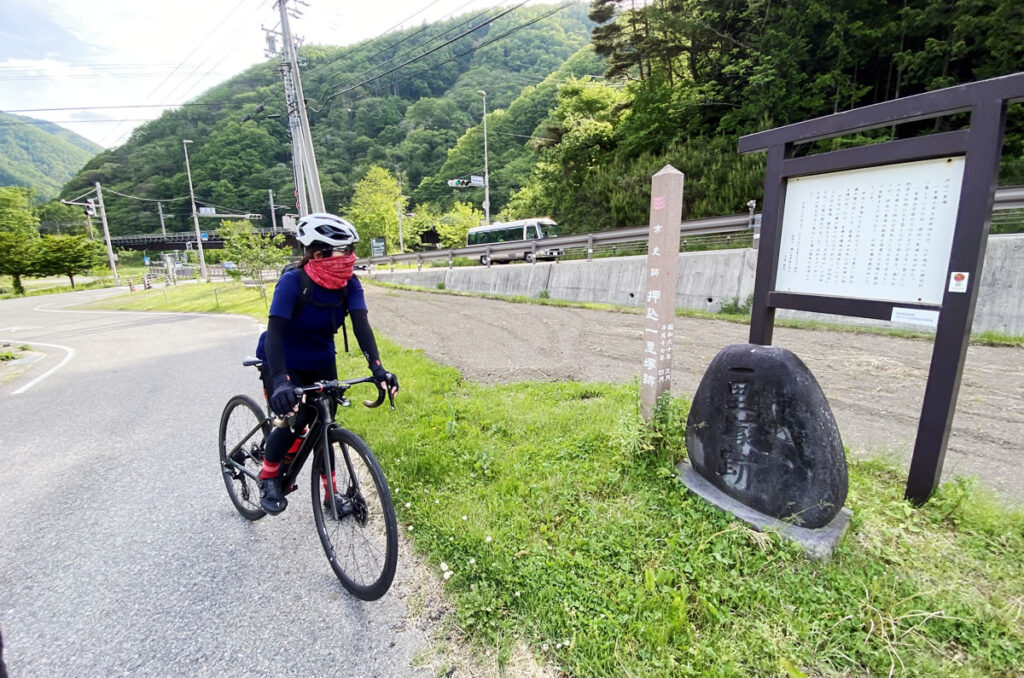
column 68, row 122
column 89, row 192
column 399, row 42
column 95, row 108
column 428, row 52
column 197, row 47
column 202, row 43
column 462, row 54
column 135, row 197
column 398, row 25
column 224, row 43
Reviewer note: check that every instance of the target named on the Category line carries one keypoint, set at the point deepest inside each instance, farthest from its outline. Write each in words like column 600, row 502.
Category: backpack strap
column 306, row 297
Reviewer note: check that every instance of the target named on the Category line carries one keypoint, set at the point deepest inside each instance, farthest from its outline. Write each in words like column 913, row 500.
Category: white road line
column 186, row 314
column 70, row 354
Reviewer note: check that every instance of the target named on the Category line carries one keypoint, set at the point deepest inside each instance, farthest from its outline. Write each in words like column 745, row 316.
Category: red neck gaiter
column 332, row 273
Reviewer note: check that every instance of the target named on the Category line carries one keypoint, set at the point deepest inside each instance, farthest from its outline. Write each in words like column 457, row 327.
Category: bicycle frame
column 318, row 432
column 355, row 518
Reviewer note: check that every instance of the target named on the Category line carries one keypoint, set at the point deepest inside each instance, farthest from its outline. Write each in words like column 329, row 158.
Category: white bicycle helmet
column 328, row 229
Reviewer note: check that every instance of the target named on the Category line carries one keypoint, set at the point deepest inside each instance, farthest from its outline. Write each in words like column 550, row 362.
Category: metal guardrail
column 1009, row 198
column 589, row 242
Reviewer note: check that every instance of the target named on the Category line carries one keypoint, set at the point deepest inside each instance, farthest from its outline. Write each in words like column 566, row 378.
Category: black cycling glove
column 382, row 375
column 283, row 400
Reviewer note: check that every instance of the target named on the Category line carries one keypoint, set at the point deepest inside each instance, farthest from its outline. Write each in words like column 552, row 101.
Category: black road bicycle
column 356, row 522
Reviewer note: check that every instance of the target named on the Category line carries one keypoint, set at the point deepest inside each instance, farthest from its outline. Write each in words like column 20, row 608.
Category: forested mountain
column 584, row 105
column 40, row 155
column 701, row 73
column 404, row 121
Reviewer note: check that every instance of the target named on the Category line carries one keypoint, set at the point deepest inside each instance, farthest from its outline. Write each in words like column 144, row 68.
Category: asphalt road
column 120, row 553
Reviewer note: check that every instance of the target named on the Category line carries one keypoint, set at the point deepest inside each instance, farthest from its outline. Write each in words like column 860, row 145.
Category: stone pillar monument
column 660, row 293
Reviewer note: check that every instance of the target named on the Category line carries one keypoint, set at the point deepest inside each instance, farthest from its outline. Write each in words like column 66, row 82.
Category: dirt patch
column 875, row 384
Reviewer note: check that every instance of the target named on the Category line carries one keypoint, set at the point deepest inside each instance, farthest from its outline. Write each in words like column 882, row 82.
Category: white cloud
column 127, row 52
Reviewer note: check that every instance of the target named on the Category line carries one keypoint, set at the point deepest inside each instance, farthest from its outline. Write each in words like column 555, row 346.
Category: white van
column 524, row 230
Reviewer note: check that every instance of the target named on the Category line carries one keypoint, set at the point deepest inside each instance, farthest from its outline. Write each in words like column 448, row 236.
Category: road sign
column 207, row 211
column 474, row 180
column 378, row 246
column 205, row 236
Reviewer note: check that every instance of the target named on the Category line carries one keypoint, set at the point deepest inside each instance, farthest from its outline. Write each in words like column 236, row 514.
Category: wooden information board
column 875, row 233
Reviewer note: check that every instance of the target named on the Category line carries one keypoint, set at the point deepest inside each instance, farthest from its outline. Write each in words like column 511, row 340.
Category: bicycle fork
column 348, row 506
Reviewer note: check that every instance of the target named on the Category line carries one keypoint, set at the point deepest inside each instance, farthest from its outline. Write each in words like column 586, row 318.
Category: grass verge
column 554, row 518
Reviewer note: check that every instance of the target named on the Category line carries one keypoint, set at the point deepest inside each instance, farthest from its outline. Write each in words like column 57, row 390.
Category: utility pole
column 163, row 229
column 273, row 216
column 298, row 119
column 487, row 176
column 294, row 130
column 401, row 245
column 106, row 233
column 195, row 216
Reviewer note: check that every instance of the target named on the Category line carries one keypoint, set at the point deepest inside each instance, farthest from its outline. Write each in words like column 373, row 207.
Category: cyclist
column 309, row 305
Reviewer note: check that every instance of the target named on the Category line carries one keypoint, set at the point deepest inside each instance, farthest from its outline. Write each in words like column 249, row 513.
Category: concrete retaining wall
column 706, row 281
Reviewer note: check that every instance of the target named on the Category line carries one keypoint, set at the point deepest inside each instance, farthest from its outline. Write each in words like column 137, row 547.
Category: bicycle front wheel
column 243, row 435
column 358, row 529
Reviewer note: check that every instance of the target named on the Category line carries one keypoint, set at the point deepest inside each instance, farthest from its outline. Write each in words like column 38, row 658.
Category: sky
column 103, row 67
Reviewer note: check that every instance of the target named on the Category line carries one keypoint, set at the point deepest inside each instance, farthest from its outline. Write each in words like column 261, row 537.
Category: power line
column 399, row 24
column 70, row 122
column 97, row 108
column 468, row 51
column 408, row 37
column 89, row 192
column 428, row 52
column 201, row 44
column 135, row 197
column 225, row 42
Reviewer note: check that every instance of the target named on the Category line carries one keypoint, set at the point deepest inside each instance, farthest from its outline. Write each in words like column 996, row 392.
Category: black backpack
column 306, row 297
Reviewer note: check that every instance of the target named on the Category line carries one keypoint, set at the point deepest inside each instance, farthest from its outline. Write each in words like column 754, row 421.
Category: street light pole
column 195, row 216
column 487, row 177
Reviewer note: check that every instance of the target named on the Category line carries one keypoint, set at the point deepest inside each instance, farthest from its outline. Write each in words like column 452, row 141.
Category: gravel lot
column 875, row 384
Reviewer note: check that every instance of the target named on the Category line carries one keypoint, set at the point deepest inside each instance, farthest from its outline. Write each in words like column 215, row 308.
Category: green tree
column 68, row 255
column 454, row 225
column 252, row 253
column 17, row 258
column 374, row 209
column 16, row 213
column 58, row 218
column 18, row 234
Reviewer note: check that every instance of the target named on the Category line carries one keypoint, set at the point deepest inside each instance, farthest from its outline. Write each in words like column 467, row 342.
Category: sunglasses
column 347, row 249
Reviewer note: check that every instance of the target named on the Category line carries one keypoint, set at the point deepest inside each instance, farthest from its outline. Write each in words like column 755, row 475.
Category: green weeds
column 553, row 516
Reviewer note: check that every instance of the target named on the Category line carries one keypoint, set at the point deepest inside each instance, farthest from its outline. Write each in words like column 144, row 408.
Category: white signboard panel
column 880, row 233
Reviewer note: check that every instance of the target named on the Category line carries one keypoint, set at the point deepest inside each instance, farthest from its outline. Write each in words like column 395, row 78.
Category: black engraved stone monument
column 761, row 431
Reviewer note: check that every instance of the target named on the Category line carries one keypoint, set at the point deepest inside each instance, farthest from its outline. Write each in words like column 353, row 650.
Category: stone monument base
column 817, row 544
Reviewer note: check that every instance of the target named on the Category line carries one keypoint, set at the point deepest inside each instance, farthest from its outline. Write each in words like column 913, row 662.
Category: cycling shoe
column 271, row 496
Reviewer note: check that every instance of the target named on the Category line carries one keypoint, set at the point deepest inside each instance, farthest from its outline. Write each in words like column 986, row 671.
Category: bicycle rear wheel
column 243, row 434
column 362, row 542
